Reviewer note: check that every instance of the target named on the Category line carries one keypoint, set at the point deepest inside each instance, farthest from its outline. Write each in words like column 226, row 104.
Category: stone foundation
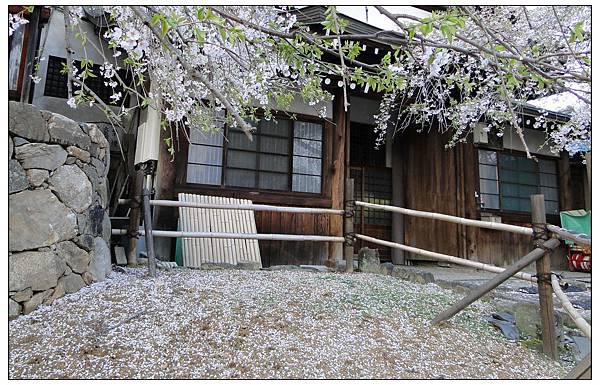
column 59, row 229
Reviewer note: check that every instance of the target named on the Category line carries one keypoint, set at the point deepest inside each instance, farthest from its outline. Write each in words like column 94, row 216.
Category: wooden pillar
column 564, row 177
column 349, row 206
column 32, row 48
column 165, row 218
column 397, row 200
column 588, row 185
column 338, row 170
column 542, row 266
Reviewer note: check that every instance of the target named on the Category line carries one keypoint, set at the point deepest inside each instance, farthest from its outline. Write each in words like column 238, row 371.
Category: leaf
column 411, row 33
column 164, row 26
column 426, row 28
column 577, row 32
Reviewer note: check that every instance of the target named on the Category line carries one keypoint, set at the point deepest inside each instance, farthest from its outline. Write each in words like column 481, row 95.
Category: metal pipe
column 451, row 218
column 268, row 237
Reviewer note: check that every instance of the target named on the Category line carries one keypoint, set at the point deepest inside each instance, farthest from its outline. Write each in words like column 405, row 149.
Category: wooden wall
column 444, row 181
column 292, row 252
column 429, row 185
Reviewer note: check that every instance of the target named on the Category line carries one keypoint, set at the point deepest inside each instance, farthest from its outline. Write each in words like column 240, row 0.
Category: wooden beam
column 482, row 290
column 349, row 226
column 543, row 272
column 338, row 172
column 564, row 178
column 397, row 200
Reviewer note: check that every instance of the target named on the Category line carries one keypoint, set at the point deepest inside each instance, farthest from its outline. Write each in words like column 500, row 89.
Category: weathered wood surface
column 542, row 268
column 338, row 172
column 349, row 225
column 480, row 291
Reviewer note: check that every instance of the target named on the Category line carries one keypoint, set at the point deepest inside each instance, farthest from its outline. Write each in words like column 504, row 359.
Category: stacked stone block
column 59, row 229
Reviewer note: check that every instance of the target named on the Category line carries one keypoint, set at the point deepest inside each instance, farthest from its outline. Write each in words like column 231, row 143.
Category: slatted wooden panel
column 293, row 252
column 201, row 250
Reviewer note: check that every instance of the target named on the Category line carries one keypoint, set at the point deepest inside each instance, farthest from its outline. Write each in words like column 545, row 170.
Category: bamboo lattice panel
column 213, row 250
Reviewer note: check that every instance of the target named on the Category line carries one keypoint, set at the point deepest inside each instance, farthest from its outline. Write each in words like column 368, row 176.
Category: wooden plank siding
column 445, row 181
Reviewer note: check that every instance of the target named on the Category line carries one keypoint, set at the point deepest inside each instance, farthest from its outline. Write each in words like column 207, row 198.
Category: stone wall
column 59, row 229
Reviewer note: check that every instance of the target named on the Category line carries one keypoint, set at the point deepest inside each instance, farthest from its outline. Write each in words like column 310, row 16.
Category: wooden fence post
column 349, row 226
column 542, row 267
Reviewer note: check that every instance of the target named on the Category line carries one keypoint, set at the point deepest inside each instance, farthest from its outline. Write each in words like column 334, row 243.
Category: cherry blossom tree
column 460, row 66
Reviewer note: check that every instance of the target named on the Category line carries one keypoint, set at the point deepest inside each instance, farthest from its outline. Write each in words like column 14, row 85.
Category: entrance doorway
column 372, row 184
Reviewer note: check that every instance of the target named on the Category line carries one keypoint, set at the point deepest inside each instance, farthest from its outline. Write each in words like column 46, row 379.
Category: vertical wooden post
column 542, row 266
column 397, row 200
column 338, row 171
column 564, row 179
column 349, row 225
column 34, row 26
column 149, row 236
column 588, row 190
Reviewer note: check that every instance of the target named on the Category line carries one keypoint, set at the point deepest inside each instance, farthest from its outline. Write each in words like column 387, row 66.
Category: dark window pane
column 275, row 163
column 306, row 183
column 201, row 174
column 240, row 178
column 487, row 157
column 205, row 154
column 509, row 162
column 274, row 145
column 273, row 181
column 516, row 204
column 307, row 148
column 241, row 159
column 304, row 165
column 306, row 130
column 549, row 180
column 509, row 176
column 280, row 128
column 527, row 164
column 529, row 178
column 550, row 193
column 552, row 207
column 548, row 166
column 239, row 140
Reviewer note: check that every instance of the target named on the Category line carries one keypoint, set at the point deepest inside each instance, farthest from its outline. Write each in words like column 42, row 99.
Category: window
column 284, row 155
column 56, row 82
column 506, row 181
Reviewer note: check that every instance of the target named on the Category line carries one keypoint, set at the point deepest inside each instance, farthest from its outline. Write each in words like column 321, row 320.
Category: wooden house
column 304, row 162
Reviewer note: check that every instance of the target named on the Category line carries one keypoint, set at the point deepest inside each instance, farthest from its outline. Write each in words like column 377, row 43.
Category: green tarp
column 579, row 221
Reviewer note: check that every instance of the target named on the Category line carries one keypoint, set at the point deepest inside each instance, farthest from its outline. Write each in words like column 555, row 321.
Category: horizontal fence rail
column 445, row 257
column 581, row 239
column 253, row 207
column 266, row 237
column 571, row 311
column 450, row 218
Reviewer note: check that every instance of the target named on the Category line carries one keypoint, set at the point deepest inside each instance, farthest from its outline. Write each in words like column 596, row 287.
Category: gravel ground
column 263, row 324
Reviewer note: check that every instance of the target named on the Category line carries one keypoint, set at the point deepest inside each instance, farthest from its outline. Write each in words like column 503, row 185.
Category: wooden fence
column 544, row 237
